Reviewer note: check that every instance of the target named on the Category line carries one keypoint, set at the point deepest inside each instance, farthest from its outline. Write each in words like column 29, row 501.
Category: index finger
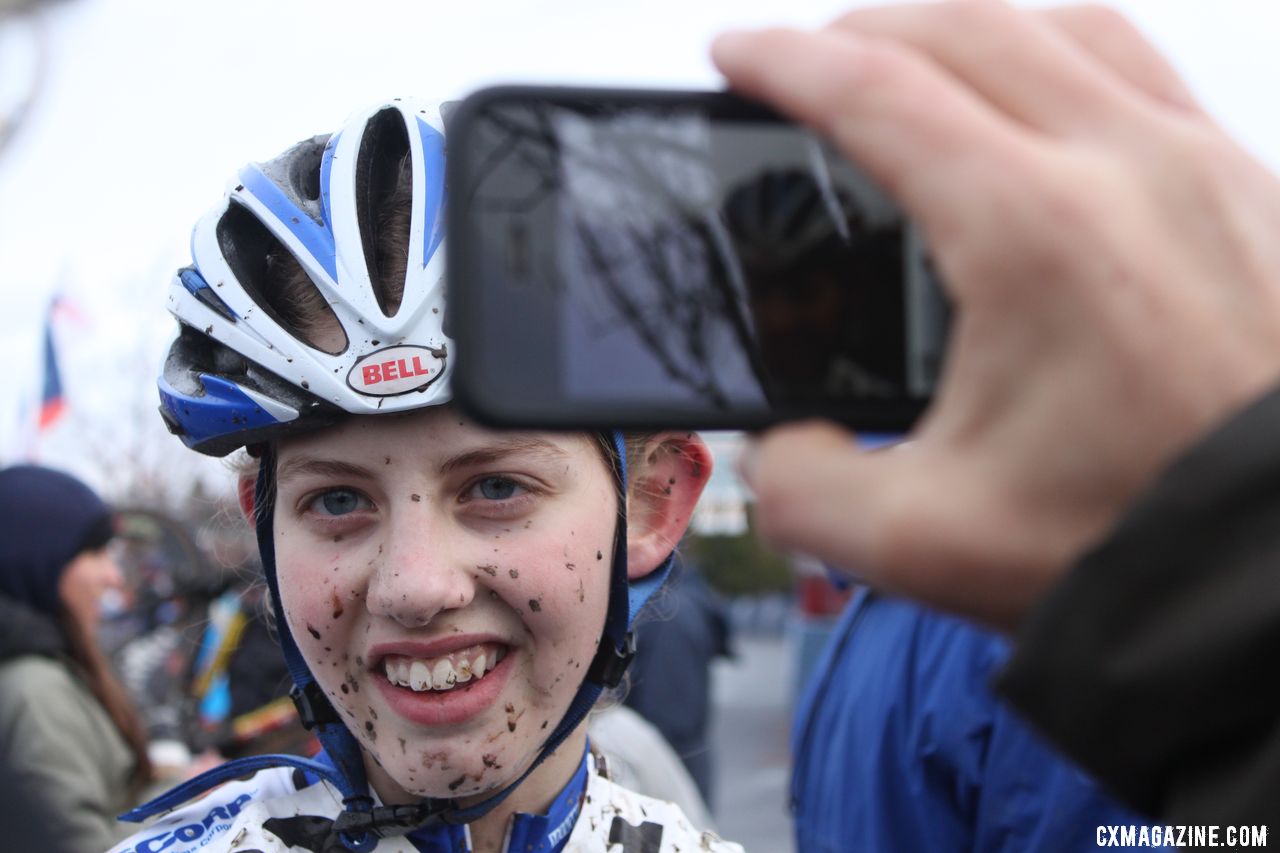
column 922, row 135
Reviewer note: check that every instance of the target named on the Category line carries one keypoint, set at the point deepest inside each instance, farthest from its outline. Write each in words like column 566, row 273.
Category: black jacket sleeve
column 1156, row 662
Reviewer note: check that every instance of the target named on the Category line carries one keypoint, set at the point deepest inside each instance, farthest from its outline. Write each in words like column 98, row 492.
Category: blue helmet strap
column 626, row 599
column 313, row 707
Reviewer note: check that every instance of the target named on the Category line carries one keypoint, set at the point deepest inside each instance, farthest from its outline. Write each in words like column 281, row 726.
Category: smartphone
column 661, row 259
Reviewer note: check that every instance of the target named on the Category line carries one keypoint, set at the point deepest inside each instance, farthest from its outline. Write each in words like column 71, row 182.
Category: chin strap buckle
column 611, row 663
column 314, row 708
column 384, row 821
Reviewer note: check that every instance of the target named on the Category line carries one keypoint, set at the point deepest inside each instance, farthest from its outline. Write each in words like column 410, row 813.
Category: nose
column 417, row 575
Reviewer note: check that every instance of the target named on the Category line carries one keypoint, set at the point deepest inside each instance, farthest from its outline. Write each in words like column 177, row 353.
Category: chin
column 446, row 782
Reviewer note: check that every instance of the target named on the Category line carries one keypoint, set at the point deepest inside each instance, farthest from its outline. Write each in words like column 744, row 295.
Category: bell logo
column 397, row 370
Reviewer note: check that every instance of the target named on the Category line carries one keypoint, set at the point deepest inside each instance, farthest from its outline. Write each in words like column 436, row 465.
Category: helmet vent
column 304, row 167
column 384, row 201
column 277, row 281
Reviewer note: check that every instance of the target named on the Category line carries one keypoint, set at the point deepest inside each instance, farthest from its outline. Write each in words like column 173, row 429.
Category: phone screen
column 685, row 260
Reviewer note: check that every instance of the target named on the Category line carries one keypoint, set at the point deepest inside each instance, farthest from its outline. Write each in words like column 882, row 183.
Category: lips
column 407, row 675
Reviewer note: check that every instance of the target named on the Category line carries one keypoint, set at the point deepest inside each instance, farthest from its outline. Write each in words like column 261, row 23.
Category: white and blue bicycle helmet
column 241, row 374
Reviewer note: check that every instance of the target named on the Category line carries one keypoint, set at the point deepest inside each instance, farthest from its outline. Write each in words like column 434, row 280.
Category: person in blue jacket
column 901, row 745
column 679, row 635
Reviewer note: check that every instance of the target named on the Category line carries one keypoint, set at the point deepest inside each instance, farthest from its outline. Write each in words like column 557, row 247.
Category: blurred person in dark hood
column 72, row 748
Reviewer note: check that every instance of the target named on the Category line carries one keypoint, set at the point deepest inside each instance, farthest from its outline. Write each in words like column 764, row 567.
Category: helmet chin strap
column 361, row 822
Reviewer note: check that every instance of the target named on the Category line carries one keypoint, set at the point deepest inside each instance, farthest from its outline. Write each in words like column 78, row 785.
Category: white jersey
column 274, row 811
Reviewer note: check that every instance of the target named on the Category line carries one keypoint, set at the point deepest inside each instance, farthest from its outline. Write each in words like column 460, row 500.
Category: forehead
column 438, row 434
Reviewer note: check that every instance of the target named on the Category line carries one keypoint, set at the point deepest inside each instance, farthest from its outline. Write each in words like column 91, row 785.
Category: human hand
column 1111, row 255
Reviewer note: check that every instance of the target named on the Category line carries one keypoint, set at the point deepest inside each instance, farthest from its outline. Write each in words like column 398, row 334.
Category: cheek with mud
column 318, row 614
column 569, row 613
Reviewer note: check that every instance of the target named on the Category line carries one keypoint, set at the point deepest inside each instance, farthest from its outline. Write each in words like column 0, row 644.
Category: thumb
column 817, row 493
column 905, row 520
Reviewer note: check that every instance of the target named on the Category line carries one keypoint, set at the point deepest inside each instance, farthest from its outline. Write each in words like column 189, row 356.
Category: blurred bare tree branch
column 632, row 219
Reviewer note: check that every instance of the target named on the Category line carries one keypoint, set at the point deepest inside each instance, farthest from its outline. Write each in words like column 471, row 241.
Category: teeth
column 442, row 676
column 444, row 672
column 419, row 676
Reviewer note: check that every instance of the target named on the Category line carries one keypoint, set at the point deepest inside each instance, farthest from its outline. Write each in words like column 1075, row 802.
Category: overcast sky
column 149, row 106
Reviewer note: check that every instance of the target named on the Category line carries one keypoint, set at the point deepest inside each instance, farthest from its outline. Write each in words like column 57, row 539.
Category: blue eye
column 496, row 488
column 339, row 502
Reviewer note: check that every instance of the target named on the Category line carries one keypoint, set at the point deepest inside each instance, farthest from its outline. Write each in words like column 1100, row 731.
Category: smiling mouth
column 441, row 674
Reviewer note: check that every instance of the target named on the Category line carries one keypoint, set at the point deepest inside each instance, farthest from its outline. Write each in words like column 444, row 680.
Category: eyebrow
column 300, row 466
column 303, row 465
column 502, row 448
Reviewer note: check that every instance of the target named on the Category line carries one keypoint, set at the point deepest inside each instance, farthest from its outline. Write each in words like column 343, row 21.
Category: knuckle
column 887, row 75
column 894, row 535
column 879, row 59
column 882, row 63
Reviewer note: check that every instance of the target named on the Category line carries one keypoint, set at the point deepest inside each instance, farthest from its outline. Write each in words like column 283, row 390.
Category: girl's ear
column 664, row 487
column 244, row 491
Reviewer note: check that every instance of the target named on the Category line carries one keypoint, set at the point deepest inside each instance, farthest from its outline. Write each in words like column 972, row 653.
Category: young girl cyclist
column 451, row 600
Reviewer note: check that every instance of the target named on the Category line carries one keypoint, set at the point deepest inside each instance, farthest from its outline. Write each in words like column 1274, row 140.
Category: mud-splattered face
column 447, row 586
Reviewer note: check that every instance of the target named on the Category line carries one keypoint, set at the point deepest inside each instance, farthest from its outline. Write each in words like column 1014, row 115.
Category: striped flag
column 39, row 413
column 52, row 403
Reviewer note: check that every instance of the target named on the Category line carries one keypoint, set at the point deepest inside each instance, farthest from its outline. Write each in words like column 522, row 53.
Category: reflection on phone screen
column 731, row 265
